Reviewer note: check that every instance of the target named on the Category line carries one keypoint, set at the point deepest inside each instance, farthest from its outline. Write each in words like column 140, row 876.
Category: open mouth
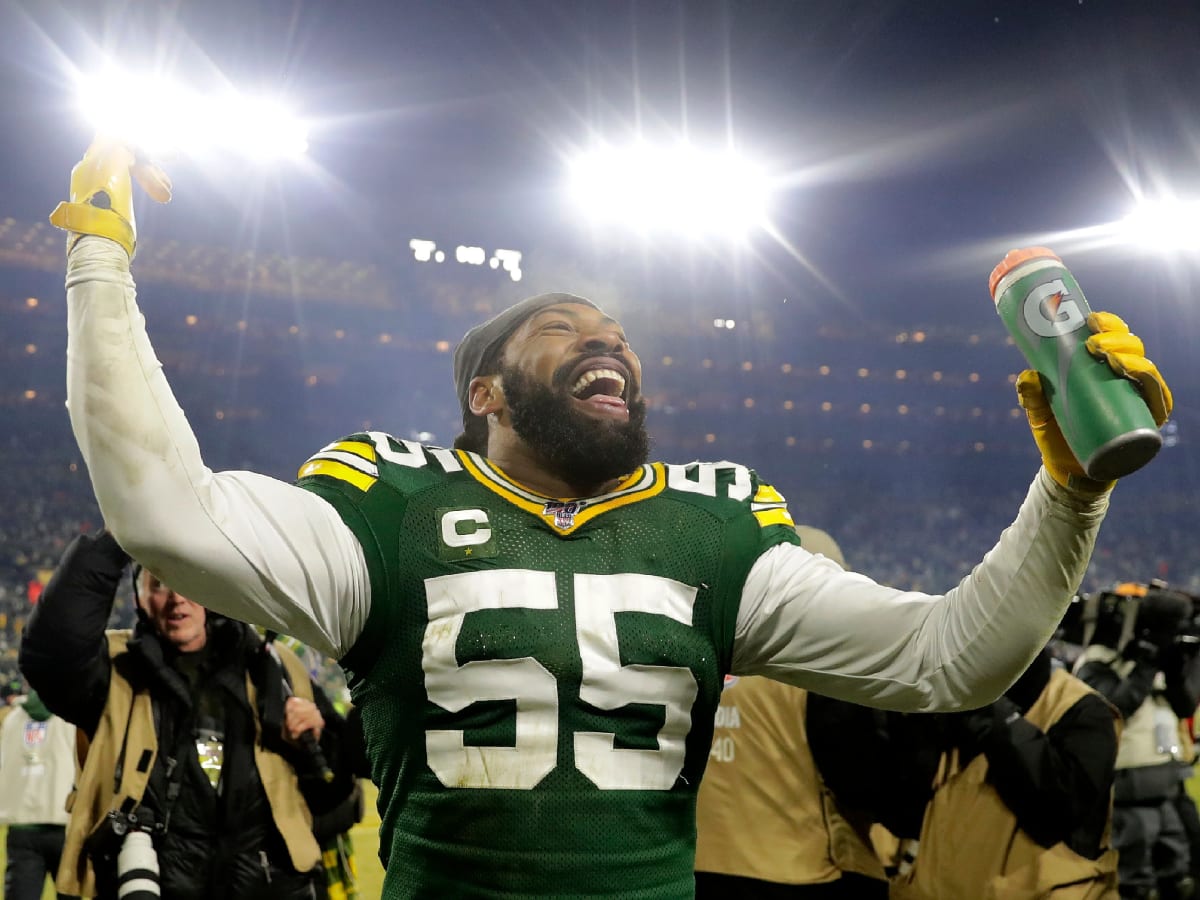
column 601, row 387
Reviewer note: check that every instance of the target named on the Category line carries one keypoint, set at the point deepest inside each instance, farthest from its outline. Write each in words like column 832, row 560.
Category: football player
column 537, row 623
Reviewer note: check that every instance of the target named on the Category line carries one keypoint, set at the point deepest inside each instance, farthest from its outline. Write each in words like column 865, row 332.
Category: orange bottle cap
column 1014, row 258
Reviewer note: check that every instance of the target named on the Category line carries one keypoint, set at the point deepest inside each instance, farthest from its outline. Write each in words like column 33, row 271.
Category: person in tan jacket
column 195, row 754
column 766, row 824
column 1012, row 801
column 1141, row 656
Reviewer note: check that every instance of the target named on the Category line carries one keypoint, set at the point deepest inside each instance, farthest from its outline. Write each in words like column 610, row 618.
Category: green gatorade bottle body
column 1103, row 418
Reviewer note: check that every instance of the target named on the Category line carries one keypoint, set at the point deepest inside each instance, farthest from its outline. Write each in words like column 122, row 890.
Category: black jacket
column 1057, row 783
column 217, row 841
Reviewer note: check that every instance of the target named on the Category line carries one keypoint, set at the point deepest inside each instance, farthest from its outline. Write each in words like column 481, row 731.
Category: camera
column 1125, row 613
column 131, row 833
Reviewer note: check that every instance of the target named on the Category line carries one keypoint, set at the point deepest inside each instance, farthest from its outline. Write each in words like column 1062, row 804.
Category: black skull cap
column 482, row 343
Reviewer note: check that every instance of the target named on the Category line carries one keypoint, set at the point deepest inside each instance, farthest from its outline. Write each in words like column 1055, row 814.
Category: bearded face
column 579, row 447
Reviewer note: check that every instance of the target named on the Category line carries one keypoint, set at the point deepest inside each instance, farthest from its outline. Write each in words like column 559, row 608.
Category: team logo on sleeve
column 464, row 534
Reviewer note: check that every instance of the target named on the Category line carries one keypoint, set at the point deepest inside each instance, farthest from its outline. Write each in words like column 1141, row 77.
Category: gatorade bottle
column 1104, row 419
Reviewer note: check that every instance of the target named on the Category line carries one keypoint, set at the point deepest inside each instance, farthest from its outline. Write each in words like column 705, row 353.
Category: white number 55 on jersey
column 606, row 683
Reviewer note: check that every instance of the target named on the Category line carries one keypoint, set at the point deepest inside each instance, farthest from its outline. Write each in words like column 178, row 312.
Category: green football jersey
column 538, row 677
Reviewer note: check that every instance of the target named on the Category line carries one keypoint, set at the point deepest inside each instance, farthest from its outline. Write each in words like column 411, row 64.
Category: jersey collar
column 565, row 516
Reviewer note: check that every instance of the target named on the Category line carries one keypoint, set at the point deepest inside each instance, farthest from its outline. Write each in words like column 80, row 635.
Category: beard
column 581, row 450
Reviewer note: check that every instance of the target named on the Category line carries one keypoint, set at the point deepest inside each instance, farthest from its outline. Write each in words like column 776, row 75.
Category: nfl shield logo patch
column 35, row 734
column 563, row 512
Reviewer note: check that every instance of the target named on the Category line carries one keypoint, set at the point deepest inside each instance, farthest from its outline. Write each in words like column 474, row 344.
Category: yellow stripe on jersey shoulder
column 340, row 471
column 777, row 516
column 767, row 494
column 358, row 448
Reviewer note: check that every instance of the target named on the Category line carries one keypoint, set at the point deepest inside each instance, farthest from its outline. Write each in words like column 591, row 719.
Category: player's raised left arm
column 806, row 622
column 252, row 547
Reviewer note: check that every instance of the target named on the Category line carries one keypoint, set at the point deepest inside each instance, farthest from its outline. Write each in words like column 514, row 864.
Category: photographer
column 197, row 761
column 1012, row 799
column 767, row 827
column 1140, row 658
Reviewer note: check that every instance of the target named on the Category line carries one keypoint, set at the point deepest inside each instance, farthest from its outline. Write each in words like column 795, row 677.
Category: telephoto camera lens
column 137, row 868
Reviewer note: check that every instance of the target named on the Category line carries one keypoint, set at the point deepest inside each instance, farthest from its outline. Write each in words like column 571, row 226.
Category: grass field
column 366, row 852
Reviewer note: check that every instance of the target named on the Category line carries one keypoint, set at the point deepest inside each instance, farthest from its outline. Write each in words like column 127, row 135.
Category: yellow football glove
column 102, row 193
column 1125, row 355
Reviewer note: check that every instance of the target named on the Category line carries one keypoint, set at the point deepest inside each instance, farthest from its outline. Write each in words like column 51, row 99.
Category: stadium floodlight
column 680, row 188
column 1170, row 224
column 162, row 118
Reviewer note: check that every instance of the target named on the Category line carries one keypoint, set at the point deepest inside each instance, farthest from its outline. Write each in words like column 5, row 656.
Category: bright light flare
column 1170, row 224
column 162, row 117
column 677, row 189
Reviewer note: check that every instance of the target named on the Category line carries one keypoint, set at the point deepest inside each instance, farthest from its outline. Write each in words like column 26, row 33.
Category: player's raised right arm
column 252, row 547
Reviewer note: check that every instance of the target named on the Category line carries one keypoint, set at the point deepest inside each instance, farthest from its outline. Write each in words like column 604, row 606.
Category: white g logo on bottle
column 1050, row 311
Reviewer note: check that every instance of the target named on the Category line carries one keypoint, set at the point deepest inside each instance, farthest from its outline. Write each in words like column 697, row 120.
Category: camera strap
column 174, row 775
column 119, row 769
column 172, row 764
